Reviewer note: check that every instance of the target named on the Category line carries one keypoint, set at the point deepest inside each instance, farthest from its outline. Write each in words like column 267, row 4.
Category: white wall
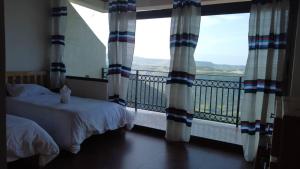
column 27, row 32
column 97, row 5
column 84, row 54
column 295, row 85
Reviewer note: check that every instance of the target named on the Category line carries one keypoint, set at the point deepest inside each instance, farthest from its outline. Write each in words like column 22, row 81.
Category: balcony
column 216, row 99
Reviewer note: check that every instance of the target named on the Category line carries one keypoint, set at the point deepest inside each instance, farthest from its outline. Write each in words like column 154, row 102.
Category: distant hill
column 141, row 63
column 150, row 62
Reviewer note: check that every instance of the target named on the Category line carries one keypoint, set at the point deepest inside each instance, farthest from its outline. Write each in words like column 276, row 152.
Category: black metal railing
column 215, row 98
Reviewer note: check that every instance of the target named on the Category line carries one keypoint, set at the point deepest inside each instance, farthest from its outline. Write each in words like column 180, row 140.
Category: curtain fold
column 185, row 27
column 264, row 72
column 58, row 28
column 122, row 25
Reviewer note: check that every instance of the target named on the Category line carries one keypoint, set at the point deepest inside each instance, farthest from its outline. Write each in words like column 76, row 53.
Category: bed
column 70, row 124
column 25, row 139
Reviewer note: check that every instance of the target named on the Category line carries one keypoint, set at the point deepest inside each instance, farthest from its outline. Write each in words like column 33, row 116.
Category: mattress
column 25, row 138
column 70, row 124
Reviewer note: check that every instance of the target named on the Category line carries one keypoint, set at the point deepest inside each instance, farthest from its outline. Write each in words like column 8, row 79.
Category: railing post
column 136, row 89
column 239, row 101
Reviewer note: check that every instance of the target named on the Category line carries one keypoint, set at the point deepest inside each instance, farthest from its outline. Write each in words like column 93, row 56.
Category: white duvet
column 70, row 124
column 25, row 139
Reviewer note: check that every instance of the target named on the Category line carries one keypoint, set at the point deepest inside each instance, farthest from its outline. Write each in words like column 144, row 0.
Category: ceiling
column 143, row 5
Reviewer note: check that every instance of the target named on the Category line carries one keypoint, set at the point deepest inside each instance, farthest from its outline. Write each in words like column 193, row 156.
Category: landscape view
column 220, row 55
column 202, row 67
column 216, row 90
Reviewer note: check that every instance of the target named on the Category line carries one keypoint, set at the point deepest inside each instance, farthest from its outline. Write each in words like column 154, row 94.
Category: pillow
column 17, row 90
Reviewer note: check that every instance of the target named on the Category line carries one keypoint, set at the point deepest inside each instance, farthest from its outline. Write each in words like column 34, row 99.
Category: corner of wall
column 295, row 82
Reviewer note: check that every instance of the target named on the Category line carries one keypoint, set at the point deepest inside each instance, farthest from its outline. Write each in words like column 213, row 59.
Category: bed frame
column 36, row 77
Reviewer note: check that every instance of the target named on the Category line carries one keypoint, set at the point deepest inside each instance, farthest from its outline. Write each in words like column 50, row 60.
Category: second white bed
column 70, row 124
column 24, row 138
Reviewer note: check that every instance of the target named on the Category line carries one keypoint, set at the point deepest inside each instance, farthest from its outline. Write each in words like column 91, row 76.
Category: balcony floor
column 201, row 128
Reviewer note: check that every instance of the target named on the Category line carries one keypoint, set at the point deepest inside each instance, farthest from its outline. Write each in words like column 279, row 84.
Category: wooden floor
column 138, row 150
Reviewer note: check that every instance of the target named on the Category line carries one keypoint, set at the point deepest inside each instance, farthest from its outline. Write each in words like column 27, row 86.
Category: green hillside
column 210, row 68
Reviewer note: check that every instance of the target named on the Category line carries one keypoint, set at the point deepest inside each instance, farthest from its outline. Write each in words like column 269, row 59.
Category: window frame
column 206, row 10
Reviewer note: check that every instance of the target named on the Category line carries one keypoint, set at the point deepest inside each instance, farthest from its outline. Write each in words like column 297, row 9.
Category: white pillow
column 26, row 90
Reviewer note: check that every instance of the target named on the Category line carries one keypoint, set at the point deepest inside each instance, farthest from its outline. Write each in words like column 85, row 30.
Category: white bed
column 70, row 124
column 25, row 138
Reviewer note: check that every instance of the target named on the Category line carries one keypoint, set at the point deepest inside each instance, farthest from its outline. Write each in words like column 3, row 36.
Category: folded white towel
column 65, row 94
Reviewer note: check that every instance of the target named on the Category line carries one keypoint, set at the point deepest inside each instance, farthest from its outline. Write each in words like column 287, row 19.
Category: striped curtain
column 264, row 71
column 185, row 27
column 58, row 28
column 122, row 23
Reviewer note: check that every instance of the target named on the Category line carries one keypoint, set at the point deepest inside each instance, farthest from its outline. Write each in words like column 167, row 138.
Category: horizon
column 195, row 61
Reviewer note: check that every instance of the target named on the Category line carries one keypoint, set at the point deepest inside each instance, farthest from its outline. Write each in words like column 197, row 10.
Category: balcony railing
column 215, row 98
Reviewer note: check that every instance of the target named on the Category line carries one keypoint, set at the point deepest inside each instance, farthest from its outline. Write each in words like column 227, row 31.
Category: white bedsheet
column 25, row 139
column 70, row 124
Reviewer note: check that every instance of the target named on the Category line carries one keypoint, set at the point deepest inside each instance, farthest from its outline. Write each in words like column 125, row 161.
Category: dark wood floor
column 137, row 150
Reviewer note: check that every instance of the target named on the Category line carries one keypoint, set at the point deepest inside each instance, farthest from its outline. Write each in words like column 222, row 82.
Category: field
column 204, row 68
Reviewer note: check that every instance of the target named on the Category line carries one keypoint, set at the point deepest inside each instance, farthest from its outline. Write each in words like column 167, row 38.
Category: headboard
column 36, row 77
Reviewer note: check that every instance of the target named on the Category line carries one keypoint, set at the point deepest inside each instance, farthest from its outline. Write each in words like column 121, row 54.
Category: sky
column 223, row 39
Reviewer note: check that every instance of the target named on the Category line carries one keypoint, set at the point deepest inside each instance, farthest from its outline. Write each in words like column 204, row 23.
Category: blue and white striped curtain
column 185, row 27
column 58, row 28
column 122, row 24
column 264, row 71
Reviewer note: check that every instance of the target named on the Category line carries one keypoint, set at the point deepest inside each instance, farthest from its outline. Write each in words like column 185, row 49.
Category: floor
column 201, row 128
column 138, row 150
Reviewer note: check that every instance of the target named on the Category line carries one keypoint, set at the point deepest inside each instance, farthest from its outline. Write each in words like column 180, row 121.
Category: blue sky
column 223, row 39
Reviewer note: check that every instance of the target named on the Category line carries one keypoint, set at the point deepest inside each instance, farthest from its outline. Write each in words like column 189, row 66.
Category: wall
column 295, row 85
column 88, row 88
column 2, row 90
column 27, row 32
column 92, row 4
column 84, row 52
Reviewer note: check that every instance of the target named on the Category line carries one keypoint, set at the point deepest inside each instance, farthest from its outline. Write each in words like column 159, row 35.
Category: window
column 222, row 46
column 152, row 49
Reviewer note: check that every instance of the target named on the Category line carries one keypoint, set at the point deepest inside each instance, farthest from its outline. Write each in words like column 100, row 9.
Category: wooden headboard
column 36, row 77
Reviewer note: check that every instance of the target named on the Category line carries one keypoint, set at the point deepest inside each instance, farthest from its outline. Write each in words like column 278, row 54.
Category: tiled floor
column 202, row 128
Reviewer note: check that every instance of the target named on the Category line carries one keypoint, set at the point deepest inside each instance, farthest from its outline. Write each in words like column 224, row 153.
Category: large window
column 222, row 46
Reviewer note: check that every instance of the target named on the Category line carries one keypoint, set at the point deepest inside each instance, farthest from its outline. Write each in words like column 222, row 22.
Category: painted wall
column 27, row 32
column 97, row 5
column 2, row 91
column 84, row 52
column 295, row 85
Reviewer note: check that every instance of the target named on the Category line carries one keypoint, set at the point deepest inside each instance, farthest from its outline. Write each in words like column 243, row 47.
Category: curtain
column 122, row 24
column 185, row 27
column 264, row 71
column 58, row 28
